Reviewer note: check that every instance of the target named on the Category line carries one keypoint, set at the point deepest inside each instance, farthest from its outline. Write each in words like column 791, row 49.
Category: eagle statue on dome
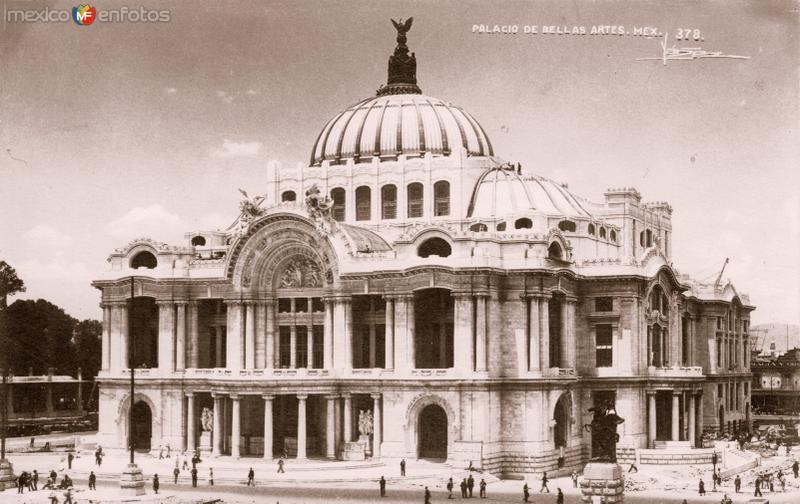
column 319, row 208
column 249, row 210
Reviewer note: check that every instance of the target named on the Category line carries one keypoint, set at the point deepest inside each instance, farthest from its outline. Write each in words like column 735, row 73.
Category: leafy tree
column 88, row 346
column 10, row 283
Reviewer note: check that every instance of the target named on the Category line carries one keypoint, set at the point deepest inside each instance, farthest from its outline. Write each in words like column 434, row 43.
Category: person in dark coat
column 280, row 465
column 483, row 488
column 450, row 488
column 795, row 469
column 176, row 472
column 211, row 476
column 382, row 483
column 155, row 483
column 70, row 457
column 525, row 493
column 29, row 481
column 403, row 467
column 92, row 481
column 427, row 496
column 251, row 477
column 737, row 483
column 701, row 488
column 35, row 480
column 560, row 497
column 470, row 485
column 544, row 483
column 194, row 477
column 464, row 488
column 757, row 485
column 21, row 482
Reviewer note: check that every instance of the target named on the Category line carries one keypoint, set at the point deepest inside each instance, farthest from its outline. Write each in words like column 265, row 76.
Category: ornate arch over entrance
column 146, row 427
column 142, row 426
column 561, row 417
column 431, row 427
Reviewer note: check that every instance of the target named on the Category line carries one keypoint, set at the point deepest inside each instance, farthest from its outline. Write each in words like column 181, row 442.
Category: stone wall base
column 602, row 483
column 7, row 478
column 132, row 481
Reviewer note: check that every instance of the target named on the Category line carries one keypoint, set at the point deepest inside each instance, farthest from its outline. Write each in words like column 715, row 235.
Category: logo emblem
column 83, row 14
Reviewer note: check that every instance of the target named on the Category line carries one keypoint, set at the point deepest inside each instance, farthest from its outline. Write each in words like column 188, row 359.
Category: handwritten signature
column 686, row 53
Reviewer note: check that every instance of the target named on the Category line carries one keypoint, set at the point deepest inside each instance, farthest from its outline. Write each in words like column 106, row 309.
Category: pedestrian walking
column 463, row 488
column 194, row 477
column 782, row 481
column 427, row 496
column 169, row 451
column 155, row 483
column 450, row 488
column 160, row 453
column 280, row 465
column 176, row 472
column 795, row 468
column 92, row 481
column 382, row 484
column 251, row 478
column 726, row 500
column 470, row 485
column 21, row 483
column 185, row 464
column 403, row 467
column 35, row 480
column 737, row 483
column 757, row 485
column 68, row 496
column 574, row 479
column 771, row 483
column 525, row 493
column 70, row 457
column 701, row 488
column 211, row 476
column 544, row 483
column 560, row 497
column 483, row 488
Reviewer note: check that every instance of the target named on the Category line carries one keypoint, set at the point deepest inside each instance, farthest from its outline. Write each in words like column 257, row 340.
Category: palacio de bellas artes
column 408, row 293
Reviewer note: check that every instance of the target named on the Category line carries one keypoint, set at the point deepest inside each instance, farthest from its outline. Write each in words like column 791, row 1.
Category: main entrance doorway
column 142, row 426
column 432, row 433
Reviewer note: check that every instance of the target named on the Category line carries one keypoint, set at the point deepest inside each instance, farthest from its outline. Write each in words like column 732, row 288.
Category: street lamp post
column 132, row 481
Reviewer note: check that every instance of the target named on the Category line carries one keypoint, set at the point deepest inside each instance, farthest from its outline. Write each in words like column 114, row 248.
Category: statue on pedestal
column 365, row 422
column 207, row 420
column 604, row 432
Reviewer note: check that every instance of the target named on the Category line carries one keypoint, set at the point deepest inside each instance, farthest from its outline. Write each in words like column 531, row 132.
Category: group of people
column 467, row 486
column 30, row 481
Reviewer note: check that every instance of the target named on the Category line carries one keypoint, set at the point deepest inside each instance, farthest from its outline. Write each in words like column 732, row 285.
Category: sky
column 114, row 131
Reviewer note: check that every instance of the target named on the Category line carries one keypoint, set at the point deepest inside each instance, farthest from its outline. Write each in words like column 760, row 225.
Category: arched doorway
column 561, row 417
column 142, row 429
column 432, row 433
column 721, row 419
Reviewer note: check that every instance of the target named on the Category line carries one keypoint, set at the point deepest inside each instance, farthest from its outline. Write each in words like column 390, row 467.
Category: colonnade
column 694, row 411
column 539, row 337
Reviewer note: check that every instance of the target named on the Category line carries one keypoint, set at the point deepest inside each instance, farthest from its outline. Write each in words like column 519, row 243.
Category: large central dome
column 399, row 121
column 394, row 124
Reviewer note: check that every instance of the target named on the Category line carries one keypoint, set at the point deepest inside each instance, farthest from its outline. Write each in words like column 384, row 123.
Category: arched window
column 434, row 246
column 144, row 259
column 567, row 225
column 389, row 202
column 363, row 203
column 523, row 223
column 478, row 228
column 338, row 209
column 554, row 251
column 288, row 196
column 414, row 197
column 591, row 229
column 659, row 301
column 641, row 238
column 602, row 232
column 199, row 241
column 441, row 198
column 501, row 226
column 613, row 236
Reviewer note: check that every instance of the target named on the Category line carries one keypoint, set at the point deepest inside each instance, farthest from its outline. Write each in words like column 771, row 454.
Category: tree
column 88, row 346
column 10, row 283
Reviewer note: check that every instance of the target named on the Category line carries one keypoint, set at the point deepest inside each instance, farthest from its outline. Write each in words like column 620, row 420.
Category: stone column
column 676, row 412
column 533, row 334
column 410, row 332
column 463, row 332
column 389, row 333
column 377, row 426
column 293, row 347
column 235, row 335
column 330, row 428
column 348, row 347
column 180, row 337
column 692, row 419
column 372, row 341
column 651, row 419
column 194, row 334
column 301, row 426
column 216, row 432
column 310, row 344
column 250, row 336
column 347, row 412
column 568, row 334
column 236, row 425
column 105, row 356
column 166, row 336
column 544, row 333
column 269, row 331
column 268, row 425
column 191, row 438
column 402, row 358
column 218, row 347
column 699, row 414
column 327, row 335
column 480, row 333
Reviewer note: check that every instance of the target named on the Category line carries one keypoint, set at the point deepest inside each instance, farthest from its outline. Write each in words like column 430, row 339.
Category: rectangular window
column 389, row 202
column 319, row 361
column 285, row 347
column 604, row 345
column 300, row 305
column 317, row 305
column 414, row 199
column 302, row 346
column 603, row 304
column 284, row 305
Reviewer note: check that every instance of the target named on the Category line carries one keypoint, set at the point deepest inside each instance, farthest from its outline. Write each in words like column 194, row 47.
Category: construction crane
column 719, row 277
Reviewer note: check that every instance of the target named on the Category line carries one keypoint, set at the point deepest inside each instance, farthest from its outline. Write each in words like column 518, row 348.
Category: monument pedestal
column 7, row 479
column 205, row 444
column 602, row 483
column 354, row 450
column 367, row 442
column 132, row 481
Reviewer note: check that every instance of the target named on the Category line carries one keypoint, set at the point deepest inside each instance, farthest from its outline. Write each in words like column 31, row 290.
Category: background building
column 476, row 309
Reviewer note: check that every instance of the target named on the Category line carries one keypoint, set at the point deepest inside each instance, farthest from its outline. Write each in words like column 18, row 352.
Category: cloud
column 153, row 220
column 170, row 90
column 225, row 97
column 47, row 236
column 237, row 149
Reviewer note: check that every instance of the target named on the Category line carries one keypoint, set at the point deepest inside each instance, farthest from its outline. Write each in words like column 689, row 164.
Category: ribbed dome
column 502, row 192
column 394, row 124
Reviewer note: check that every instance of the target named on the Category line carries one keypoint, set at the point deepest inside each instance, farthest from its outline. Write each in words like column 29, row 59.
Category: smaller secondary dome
column 502, row 191
column 394, row 124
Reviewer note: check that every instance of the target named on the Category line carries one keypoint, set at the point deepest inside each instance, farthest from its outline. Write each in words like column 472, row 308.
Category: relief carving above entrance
column 301, row 272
